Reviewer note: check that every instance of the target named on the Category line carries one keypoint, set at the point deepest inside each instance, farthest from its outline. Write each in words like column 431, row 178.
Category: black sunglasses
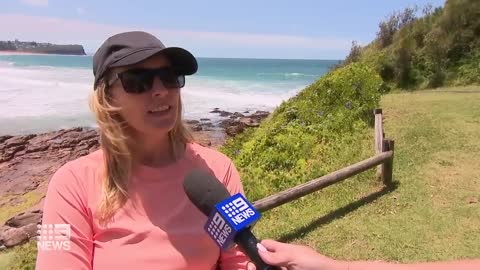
column 140, row 80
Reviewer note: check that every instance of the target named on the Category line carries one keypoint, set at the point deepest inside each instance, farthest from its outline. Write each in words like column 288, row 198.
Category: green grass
column 20, row 257
column 428, row 215
column 6, row 257
column 17, row 257
column 25, row 201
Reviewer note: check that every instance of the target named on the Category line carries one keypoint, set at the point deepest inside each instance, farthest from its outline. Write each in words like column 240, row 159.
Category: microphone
column 230, row 217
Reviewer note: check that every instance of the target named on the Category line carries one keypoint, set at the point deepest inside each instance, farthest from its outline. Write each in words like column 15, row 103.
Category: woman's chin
column 160, row 125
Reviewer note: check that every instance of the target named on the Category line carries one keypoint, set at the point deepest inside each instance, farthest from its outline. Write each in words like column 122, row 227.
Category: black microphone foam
column 204, row 190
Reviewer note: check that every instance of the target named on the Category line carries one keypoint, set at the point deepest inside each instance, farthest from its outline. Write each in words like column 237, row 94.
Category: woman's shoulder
column 91, row 161
column 208, row 154
column 79, row 169
column 220, row 165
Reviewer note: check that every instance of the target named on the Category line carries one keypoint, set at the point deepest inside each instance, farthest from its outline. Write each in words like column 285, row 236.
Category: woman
column 124, row 203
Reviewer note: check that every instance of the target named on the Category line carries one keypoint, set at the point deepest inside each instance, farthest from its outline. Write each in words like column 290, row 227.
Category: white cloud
column 91, row 35
column 36, row 3
column 80, row 11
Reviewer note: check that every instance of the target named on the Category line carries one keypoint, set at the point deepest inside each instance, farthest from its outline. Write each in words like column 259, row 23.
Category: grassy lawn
column 428, row 215
column 26, row 252
column 20, row 257
column 24, row 202
column 431, row 212
column 6, row 259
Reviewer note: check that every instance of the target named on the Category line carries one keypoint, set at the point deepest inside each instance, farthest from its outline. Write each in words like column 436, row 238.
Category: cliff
column 45, row 48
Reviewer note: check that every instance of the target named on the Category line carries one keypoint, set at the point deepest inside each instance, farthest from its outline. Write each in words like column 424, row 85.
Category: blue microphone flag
column 228, row 218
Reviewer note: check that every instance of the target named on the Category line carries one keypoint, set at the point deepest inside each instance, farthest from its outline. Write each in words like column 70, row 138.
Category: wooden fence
column 383, row 160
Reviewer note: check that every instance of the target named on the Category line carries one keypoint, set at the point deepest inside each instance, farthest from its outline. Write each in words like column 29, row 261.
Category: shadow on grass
column 338, row 213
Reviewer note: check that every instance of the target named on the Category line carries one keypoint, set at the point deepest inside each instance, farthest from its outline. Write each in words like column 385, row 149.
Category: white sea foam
column 36, row 99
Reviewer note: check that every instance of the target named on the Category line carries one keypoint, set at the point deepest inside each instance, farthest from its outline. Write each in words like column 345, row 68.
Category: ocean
column 41, row 93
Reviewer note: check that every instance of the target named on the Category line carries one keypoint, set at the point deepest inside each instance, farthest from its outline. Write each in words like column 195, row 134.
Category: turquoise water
column 84, row 62
column 46, row 92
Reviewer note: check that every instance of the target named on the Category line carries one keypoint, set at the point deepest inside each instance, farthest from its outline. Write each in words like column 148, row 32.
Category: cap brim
column 181, row 59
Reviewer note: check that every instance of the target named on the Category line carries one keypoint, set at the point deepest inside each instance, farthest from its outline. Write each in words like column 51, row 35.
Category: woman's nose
column 158, row 89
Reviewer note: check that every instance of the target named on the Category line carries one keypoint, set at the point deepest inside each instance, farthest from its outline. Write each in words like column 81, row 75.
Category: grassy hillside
column 431, row 214
column 312, row 134
column 426, row 49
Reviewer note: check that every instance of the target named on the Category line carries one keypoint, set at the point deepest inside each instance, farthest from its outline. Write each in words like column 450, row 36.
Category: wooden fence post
column 387, row 166
column 379, row 137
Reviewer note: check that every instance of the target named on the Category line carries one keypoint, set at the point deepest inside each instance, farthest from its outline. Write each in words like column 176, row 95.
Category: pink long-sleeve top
column 158, row 228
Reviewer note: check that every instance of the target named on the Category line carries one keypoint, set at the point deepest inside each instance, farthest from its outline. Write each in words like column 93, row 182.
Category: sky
column 295, row 29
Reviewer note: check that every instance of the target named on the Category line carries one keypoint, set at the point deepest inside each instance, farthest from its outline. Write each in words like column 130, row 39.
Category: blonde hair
column 118, row 150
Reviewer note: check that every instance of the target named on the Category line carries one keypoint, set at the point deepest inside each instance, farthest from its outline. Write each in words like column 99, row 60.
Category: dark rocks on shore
column 20, row 228
column 192, row 122
column 27, row 163
column 238, row 122
column 221, row 113
column 26, row 160
column 207, row 126
column 204, row 124
column 259, row 115
column 236, row 115
column 197, row 128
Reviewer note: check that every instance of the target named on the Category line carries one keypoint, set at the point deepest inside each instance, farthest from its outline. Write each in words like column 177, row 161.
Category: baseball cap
column 132, row 47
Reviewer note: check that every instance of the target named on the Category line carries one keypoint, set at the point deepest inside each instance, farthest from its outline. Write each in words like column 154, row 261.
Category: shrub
column 306, row 130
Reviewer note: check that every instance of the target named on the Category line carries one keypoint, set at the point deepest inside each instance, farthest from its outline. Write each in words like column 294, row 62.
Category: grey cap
column 129, row 48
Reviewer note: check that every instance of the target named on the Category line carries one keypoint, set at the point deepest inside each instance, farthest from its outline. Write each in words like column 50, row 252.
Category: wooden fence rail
column 383, row 159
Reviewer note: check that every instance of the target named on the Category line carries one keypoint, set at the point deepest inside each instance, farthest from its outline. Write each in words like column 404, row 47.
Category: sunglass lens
column 172, row 80
column 136, row 81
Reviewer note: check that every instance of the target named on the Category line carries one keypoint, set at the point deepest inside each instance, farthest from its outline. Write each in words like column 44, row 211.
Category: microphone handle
column 248, row 243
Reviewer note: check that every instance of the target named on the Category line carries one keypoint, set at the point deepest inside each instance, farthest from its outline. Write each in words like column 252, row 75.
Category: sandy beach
column 19, row 53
